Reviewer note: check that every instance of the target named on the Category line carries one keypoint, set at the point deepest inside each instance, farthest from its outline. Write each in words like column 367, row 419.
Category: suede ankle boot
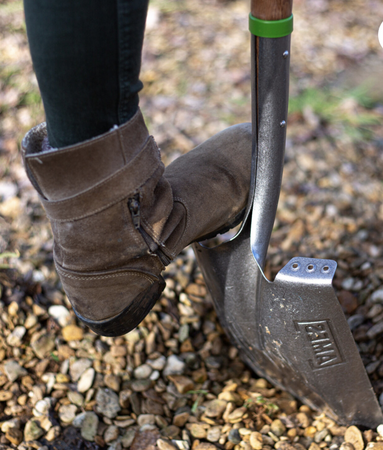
column 118, row 217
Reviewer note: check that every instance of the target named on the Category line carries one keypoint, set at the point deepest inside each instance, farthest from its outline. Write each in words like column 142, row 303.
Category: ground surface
column 177, row 377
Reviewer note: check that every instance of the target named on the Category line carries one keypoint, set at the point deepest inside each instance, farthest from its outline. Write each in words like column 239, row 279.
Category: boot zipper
column 135, row 211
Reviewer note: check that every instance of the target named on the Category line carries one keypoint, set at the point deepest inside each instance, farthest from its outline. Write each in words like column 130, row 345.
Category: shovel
column 291, row 331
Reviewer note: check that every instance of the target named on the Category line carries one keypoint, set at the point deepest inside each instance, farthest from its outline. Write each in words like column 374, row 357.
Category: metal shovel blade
column 291, row 331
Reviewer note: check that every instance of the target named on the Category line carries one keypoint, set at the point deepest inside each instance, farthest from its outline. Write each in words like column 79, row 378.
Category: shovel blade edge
column 292, row 331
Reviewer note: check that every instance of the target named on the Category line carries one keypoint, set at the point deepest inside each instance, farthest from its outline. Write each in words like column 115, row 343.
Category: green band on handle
column 270, row 28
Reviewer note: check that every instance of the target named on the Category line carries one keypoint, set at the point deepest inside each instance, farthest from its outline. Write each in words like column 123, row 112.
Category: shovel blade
column 291, row 331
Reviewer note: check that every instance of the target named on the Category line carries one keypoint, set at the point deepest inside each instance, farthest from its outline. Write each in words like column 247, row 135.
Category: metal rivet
column 283, row 124
column 286, row 54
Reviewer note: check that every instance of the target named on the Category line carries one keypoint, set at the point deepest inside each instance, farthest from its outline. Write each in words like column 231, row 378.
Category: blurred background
column 196, row 75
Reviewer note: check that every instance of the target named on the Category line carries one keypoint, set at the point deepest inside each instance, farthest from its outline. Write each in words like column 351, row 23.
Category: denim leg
column 87, row 58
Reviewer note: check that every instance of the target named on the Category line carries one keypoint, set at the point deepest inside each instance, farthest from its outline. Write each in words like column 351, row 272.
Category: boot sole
column 131, row 316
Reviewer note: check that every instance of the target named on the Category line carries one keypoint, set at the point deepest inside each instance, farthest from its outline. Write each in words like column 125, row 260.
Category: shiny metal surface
column 291, row 331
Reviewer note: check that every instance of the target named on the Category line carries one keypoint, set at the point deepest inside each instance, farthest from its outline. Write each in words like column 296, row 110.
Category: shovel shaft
column 271, row 9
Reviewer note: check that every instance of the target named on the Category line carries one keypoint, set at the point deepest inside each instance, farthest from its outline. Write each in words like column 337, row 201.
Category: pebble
column 321, row 435
column 256, row 440
column 237, row 415
column 157, row 364
column 79, row 420
column 5, row 396
column 142, row 372
column 14, row 436
column 78, row 368
column 303, row 420
column 128, row 437
column 182, row 383
column 379, row 428
column 377, row 296
column 72, row 333
column 141, row 385
column 60, row 313
column 89, row 426
column 163, row 444
column 32, row 431
column 13, row 370
column 146, row 419
column 53, row 433
column 234, row 436
column 198, row 431
column 174, row 366
column 277, row 427
column 112, row 382
column 215, row 408
column 76, row 398
column 16, row 337
column 12, row 423
column 111, row 433
column 213, row 434
column 43, row 346
column 107, row 403
column 145, row 439
column 42, row 407
column 155, row 375
column 355, row 321
column 354, row 436
column 346, row 446
column 86, row 380
column 374, row 446
column 67, row 413
column 179, row 420
column 375, row 330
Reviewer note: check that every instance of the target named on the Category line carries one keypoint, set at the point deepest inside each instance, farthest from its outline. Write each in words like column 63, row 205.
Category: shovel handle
column 271, row 9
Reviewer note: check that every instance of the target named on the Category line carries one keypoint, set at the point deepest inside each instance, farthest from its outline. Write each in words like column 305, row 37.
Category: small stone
column 16, row 337
column 32, row 431
column 154, row 375
column 43, row 346
column 79, row 420
column 89, row 426
column 256, row 440
column 314, row 446
column 198, row 431
column 354, row 436
column 237, row 415
column 310, row 432
column 72, row 333
column 8, row 424
column 182, row 383
column 111, row 434
column 86, row 380
column 215, row 408
column 303, row 420
column 53, row 433
column 375, row 330
column 78, row 368
column 157, row 364
column 142, row 372
column 13, row 370
column 347, row 446
column 374, row 446
column 128, row 437
column 179, row 420
column 377, row 296
column 67, row 413
column 141, row 385
column 76, row 398
column 207, row 446
column 14, row 436
column 163, row 444
column 379, row 428
column 42, row 407
column 277, row 427
column 145, row 439
column 146, row 419
column 5, row 396
column 30, row 321
column 60, row 313
column 355, row 320
column 112, row 382
column 234, row 436
column 213, row 434
column 107, row 403
column 174, row 366
column 321, row 435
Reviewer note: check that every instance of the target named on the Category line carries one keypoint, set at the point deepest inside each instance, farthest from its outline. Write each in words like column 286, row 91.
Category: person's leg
column 87, row 56
column 117, row 217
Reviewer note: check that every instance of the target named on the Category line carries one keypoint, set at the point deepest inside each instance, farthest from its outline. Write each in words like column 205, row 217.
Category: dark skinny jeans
column 87, row 58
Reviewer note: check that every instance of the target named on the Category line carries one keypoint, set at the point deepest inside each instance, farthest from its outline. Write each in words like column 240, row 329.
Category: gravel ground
column 176, row 382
